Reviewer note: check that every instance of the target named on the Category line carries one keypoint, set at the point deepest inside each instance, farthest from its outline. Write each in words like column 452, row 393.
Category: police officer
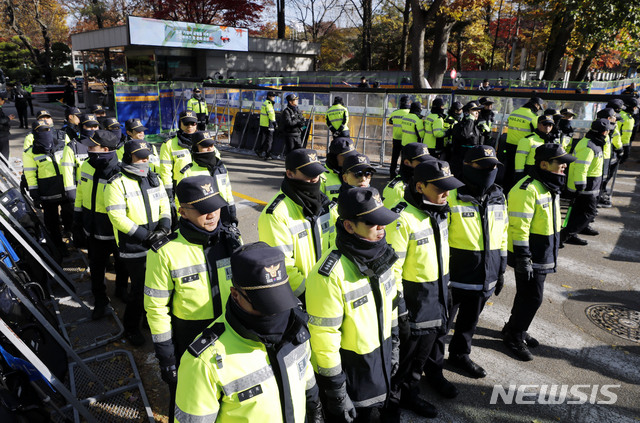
column 138, row 208
column 584, row 181
column 59, row 136
column 29, row 89
column 48, row 185
column 464, row 135
column 300, row 219
column 611, row 152
column 337, row 118
column 21, row 99
column 351, row 295
column 76, row 152
column 252, row 364
column 521, row 122
column 330, row 182
column 626, row 126
column 188, row 275
column 434, row 131
column 566, row 129
column 5, row 125
column 198, row 105
column 412, row 155
column 420, row 238
column 534, row 239
column 294, row 124
column 92, row 227
column 112, row 125
column 71, row 125
column 268, row 126
column 356, row 172
column 486, row 119
column 525, row 154
column 478, row 247
column 136, row 130
column 395, row 120
column 98, row 111
column 175, row 154
column 413, row 125
column 207, row 161
column 454, row 115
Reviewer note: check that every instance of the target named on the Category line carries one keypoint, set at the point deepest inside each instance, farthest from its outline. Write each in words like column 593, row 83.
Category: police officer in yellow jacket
column 49, row 186
column 478, row 247
column 412, row 155
column 584, row 181
column 395, row 120
column 434, row 132
column 188, row 275
column 207, row 161
column 300, row 219
column 330, row 182
column 413, row 125
column 91, row 225
column 525, row 153
column 138, row 208
column 337, row 118
column 351, row 301
column 420, row 238
column 252, row 364
column 59, row 136
column 175, row 154
column 268, row 126
column 611, row 153
column 75, row 152
column 135, row 130
column 198, row 105
column 534, row 239
column 626, row 126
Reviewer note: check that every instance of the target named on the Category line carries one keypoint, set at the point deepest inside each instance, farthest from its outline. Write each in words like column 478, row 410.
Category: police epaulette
column 332, row 204
column 530, row 135
column 163, row 241
column 394, row 182
column 208, row 337
column 399, row 207
column 329, row 263
column 275, row 203
column 187, row 167
column 526, row 183
column 114, row 177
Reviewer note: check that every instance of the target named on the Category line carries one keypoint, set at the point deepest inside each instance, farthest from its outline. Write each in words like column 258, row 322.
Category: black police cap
column 357, row 162
column 200, row 192
column 416, row 151
column 438, row 103
column 203, row 138
column 341, row 145
column 551, row 151
column 134, row 125
column 188, row 116
column 271, row 93
column 364, row 204
column 110, row 124
column 103, row 138
column 436, row 172
column 601, row 125
column 138, row 147
column 606, row 113
column 291, row 97
column 72, row 111
column 40, row 126
column 305, row 160
column 88, row 120
column 260, row 271
column 616, row 104
column 483, row 155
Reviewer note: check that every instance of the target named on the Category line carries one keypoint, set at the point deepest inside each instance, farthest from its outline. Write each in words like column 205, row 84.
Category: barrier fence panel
column 139, row 101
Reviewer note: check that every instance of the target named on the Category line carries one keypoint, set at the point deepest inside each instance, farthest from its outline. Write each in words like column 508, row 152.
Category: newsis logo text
column 554, row 394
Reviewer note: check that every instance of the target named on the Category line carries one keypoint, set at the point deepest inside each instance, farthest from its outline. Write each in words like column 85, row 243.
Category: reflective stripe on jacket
column 521, row 122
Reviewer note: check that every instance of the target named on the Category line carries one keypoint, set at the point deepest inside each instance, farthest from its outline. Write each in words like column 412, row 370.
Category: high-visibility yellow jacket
column 330, row 183
column 154, row 158
column 434, row 132
column 420, row 239
column 526, row 153
column 393, row 193
column 412, row 129
column 73, row 155
column 282, row 224
column 136, row 208
column 585, row 174
column 59, row 136
column 44, row 173
column 198, row 106
column 182, row 282
column 626, row 127
column 337, row 118
column 477, row 239
column 173, row 158
column 534, row 224
column 236, row 379
column 521, row 122
column 267, row 114
column 351, row 316
column 395, row 119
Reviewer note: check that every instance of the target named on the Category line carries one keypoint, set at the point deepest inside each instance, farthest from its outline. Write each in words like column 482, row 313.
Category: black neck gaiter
column 184, row 140
column 358, row 249
column 305, row 194
column 269, row 329
column 196, row 235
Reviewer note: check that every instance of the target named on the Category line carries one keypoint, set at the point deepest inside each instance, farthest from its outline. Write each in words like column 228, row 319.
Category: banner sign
column 157, row 32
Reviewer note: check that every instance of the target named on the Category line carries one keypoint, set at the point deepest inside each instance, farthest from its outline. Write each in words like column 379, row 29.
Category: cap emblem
column 206, row 189
column 273, row 270
column 425, row 150
column 143, row 145
column 313, row 157
column 446, row 171
column 362, row 159
column 488, row 152
column 377, row 199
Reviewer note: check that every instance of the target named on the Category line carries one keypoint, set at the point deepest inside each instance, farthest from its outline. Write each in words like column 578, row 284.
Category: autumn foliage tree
column 221, row 12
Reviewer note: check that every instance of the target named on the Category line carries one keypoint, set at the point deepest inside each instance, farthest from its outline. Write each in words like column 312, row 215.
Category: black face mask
column 100, row 160
column 483, row 179
column 87, row 132
column 553, row 181
column 305, row 194
column 271, row 327
column 184, row 139
column 206, row 159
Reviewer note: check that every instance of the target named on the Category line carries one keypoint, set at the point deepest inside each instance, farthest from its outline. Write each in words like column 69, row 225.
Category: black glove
column 499, row 284
column 395, row 350
column 524, row 266
column 314, row 413
column 154, row 237
column 35, row 196
column 339, row 403
column 169, row 374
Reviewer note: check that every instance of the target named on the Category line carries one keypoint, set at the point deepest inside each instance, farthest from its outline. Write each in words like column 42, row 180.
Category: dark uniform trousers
column 292, row 142
column 203, row 120
column 395, row 155
column 265, row 140
column 526, row 303
column 507, row 155
column 21, row 109
column 583, row 211
column 613, row 169
column 136, row 268
column 468, row 305
column 53, row 211
column 99, row 252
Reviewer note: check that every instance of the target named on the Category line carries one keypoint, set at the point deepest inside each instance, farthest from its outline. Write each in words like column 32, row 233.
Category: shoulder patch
column 399, row 207
column 526, row 183
column 275, row 203
column 329, row 263
column 529, row 136
column 187, row 167
column 114, row 177
column 394, row 182
column 206, row 339
column 163, row 241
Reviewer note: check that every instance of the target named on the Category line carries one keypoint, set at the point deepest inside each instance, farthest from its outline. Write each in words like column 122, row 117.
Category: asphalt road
column 595, row 283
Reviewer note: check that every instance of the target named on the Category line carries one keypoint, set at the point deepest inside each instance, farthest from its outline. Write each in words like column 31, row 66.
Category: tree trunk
column 46, row 37
column 495, row 39
column 282, row 26
column 561, row 29
column 366, row 63
column 406, row 16
column 438, row 56
column 582, row 73
column 418, row 29
column 575, row 67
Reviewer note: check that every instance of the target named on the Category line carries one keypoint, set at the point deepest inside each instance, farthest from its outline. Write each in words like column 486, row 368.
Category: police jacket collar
column 294, row 333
